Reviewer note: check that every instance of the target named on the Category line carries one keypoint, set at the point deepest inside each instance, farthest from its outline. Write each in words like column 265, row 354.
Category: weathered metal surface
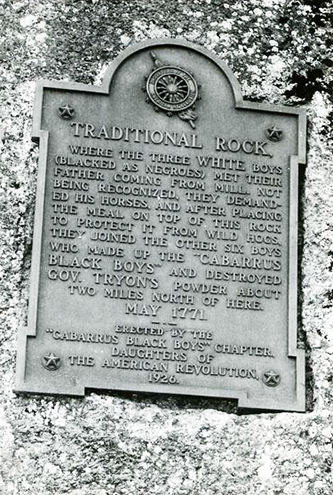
column 165, row 246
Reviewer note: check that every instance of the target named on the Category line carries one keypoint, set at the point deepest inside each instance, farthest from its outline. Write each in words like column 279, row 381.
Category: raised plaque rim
column 41, row 136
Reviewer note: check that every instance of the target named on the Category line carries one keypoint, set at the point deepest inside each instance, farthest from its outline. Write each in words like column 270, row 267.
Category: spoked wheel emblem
column 173, row 90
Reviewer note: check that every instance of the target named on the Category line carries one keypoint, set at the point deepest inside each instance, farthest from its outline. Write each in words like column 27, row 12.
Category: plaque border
column 245, row 401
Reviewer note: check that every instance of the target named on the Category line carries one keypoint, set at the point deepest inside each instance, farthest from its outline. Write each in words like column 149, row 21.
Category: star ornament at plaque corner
column 66, row 112
column 274, row 134
column 51, row 362
column 271, row 378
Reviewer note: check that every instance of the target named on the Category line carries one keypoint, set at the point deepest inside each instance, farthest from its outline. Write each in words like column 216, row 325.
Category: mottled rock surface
column 281, row 52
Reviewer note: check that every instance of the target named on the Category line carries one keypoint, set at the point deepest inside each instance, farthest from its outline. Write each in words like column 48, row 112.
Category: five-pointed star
column 271, row 378
column 274, row 133
column 51, row 362
column 66, row 111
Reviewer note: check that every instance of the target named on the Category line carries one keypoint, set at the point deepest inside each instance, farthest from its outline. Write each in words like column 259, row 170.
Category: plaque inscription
column 165, row 245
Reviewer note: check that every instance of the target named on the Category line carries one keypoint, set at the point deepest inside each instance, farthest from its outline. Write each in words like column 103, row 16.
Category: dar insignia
column 172, row 90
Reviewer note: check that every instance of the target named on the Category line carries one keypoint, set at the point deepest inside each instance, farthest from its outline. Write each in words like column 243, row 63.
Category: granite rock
column 128, row 444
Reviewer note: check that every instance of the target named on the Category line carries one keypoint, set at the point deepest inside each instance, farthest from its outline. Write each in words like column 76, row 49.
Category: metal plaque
column 165, row 244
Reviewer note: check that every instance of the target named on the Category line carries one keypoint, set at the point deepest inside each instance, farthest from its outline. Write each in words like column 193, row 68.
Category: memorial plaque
column 165, row 245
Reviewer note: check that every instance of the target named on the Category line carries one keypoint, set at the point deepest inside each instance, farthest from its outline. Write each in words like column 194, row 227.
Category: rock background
column 126, row 444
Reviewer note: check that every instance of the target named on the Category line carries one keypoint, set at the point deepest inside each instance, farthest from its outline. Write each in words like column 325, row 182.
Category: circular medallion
column 172, row 89
column 51, row 362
